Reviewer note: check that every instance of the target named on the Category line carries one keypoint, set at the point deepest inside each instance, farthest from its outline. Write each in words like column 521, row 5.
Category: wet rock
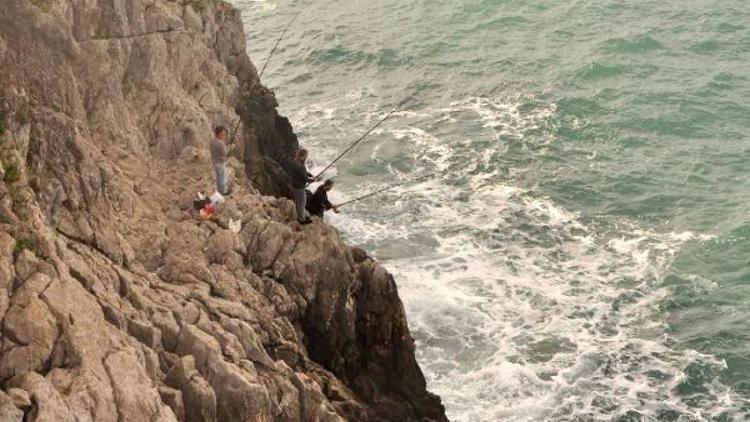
column 359, row 255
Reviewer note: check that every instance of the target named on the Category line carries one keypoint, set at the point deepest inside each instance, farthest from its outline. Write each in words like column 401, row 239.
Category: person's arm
column 311, row 178
column 329, row 206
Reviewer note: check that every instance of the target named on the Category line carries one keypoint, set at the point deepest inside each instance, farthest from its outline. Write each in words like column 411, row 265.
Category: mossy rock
column 22, row 115
column 43, row 5
column 12, row 175
column 2, row 122
column 23, row 244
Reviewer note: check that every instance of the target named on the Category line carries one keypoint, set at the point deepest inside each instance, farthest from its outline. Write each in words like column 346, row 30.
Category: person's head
column 220, row 132
column 301, row 154
column 328, row 184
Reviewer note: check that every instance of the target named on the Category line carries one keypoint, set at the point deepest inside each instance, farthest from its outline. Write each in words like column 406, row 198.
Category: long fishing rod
column 268, row 60
column 380, row 122
column 406, row 182
column 386, row 189
column 234, row 131
column 281, row 37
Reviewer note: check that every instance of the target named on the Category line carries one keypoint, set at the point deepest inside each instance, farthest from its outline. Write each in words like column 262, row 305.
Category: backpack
column 200, row 201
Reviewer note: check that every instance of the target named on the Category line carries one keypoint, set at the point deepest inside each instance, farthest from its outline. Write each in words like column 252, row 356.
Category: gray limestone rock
column 118, row 303
column 8, row 410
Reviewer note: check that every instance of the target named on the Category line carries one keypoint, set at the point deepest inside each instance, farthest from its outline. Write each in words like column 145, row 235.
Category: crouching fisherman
column 219, row 151
column 300, row 178
column 319, row 203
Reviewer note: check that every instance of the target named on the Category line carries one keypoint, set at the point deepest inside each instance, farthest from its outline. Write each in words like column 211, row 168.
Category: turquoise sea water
column 585, row 253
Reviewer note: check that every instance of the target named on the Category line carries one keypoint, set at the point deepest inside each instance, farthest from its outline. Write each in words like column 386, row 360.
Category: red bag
column 207, row 211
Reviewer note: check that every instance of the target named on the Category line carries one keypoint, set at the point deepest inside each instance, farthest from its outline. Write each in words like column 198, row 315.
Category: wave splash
column 521, row 310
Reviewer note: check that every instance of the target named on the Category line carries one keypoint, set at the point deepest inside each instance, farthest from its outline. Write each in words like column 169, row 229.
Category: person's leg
column 299, row 206
column 221, row 178
column 300, row 202
column 305, row 214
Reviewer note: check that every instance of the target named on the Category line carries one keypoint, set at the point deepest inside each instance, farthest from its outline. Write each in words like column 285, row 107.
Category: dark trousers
column 300, row 202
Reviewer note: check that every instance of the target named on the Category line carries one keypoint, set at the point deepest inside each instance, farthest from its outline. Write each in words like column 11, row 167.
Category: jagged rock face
column 115, row 303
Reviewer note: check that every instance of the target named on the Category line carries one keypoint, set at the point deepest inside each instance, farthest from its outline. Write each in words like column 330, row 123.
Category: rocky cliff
column 115, row 303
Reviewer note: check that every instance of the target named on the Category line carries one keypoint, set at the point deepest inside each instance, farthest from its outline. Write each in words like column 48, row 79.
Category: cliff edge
column 115, row 303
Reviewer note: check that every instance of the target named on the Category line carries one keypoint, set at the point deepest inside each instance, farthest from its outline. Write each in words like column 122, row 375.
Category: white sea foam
column 511, row 330
column 257, row 6
column 504, row 116
column 427, row 146
column 520, row 309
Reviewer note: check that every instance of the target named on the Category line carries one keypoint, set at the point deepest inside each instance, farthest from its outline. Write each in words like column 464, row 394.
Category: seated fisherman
column 319, row 203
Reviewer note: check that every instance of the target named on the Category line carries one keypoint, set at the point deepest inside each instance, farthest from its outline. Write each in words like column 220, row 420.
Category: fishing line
column 234, row 131
column 380, row 122
column 281, row 37
column 268, row 60
column 408, row 182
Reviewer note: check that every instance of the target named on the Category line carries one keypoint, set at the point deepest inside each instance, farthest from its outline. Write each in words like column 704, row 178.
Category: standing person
column 219, row 151
column 319, row 203
column 300, row 178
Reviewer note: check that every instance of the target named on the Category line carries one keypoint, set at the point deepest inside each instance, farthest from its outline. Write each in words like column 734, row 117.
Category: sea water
column 583, row 251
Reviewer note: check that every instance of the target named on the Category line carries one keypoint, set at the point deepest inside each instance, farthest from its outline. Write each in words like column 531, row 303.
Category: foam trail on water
column 257, row 6
column 521, row 311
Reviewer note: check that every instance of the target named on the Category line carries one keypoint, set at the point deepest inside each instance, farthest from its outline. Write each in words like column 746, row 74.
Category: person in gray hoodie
column 219, row 150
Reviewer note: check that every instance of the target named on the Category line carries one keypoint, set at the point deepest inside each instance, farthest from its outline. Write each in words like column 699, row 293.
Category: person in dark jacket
column 300, row 178
column 319, row 203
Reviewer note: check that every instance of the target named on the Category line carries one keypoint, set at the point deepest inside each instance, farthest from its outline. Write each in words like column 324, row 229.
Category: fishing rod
column 380, row 122
column 406, row 182
column 386, row 189
column 234, row 131
column 268, row 60
column 273, row 51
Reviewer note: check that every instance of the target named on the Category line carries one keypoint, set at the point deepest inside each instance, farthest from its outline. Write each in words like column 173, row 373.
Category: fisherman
column 219, row 150
column 300, row 178
column 319, row 203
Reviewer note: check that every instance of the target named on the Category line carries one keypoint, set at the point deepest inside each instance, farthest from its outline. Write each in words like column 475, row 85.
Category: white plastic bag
column 216, row 198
